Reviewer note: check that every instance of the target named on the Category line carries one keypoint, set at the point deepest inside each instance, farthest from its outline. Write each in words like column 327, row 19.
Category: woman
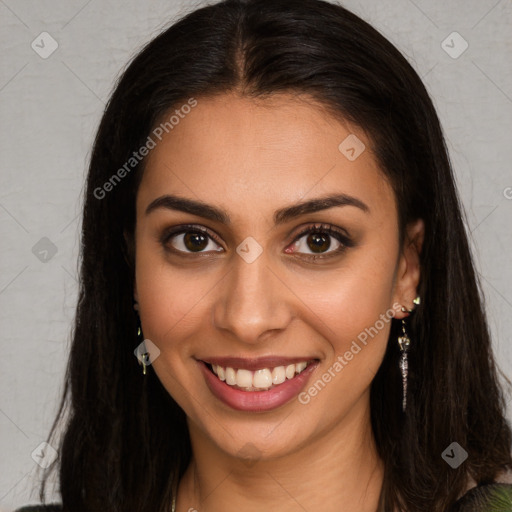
column 271, row 227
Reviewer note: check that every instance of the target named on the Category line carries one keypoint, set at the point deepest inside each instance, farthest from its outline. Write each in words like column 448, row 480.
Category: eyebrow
column 201, row 209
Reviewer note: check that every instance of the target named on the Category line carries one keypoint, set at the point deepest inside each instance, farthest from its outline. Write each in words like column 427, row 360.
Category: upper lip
column 255, row 363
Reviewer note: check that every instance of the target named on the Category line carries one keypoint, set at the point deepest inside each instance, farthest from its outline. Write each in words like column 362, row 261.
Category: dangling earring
column 404, row 342
column 142, row 352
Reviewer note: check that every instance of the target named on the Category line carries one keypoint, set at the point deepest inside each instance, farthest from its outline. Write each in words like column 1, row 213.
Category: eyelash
column 344, row 240
column 187, row 228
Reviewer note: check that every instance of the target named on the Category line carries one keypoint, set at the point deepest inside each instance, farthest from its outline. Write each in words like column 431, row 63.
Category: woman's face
column 228, row 278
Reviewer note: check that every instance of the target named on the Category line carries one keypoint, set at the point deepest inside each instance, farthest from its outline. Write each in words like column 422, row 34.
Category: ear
column 409, row 269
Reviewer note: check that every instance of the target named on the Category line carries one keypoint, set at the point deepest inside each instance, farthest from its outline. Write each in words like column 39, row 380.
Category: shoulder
column 41, row 508
column 486, row 498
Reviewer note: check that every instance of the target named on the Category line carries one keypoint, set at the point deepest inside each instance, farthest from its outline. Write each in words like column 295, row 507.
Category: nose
column 252, row 301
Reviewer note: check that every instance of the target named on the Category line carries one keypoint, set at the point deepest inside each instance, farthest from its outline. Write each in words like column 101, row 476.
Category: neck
column 338, row 470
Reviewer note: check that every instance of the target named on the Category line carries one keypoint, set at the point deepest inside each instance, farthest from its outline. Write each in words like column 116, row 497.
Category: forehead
column 242, row 154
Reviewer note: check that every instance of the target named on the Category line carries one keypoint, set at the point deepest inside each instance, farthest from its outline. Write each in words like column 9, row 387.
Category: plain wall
column 51, row 107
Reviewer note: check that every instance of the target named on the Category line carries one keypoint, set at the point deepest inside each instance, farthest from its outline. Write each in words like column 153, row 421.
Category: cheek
column 169, row 300
column 358, row 323
column 353, row 298
column 163, row 298
column 171, row 311
column 355, row 308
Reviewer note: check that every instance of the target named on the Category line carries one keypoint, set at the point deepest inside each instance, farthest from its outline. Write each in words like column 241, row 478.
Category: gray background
column 50, row 109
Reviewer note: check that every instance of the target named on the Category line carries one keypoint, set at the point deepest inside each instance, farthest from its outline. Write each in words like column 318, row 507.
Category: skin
column 250, row 158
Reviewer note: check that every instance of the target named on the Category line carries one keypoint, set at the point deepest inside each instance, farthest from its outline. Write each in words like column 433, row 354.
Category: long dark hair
column 125, row 440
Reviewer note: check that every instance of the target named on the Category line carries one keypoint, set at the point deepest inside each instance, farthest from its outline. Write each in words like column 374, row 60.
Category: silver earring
column 144, row 356
column 404, row 343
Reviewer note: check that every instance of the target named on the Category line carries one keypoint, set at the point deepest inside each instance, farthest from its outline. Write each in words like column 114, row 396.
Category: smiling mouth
column 263, row 379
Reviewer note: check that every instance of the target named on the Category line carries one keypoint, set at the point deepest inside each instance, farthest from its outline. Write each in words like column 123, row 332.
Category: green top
column 484, row 498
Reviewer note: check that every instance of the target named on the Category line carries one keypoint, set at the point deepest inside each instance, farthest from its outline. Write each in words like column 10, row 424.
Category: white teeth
column 261, row 379
column 278, row 375
column 300, row 367
column 230, row 376
column 244, row 378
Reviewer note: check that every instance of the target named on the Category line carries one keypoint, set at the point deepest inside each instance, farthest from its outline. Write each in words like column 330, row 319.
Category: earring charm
column 416, row 302
column 404, row 343
column 143, row 355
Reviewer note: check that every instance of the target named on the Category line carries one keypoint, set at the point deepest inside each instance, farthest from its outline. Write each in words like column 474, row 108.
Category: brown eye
column 318, row 242
column 195, row 241
column 188, row 240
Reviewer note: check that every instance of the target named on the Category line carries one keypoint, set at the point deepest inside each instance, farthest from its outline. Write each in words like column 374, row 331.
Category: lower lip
column 257, row 401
